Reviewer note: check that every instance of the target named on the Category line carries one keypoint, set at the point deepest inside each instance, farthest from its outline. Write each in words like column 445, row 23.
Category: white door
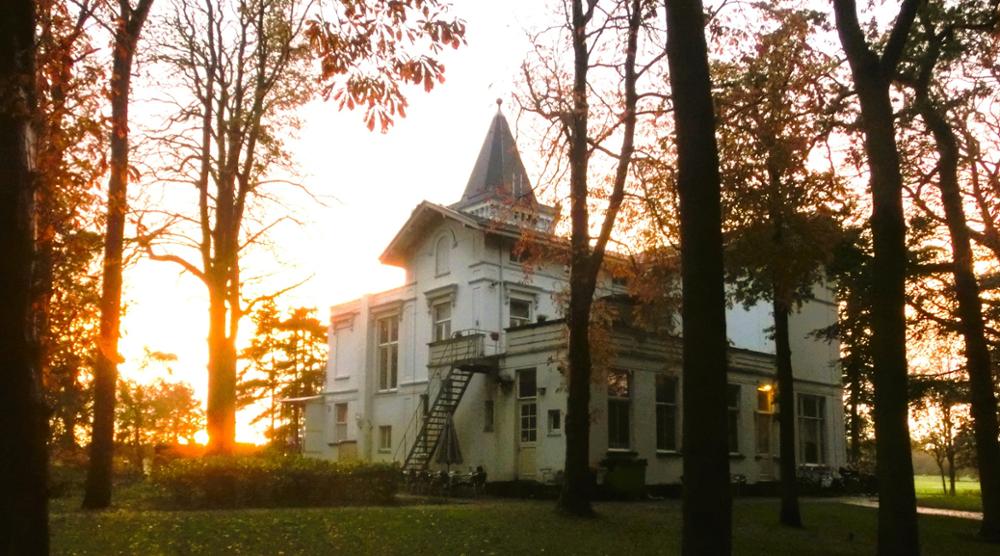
column 527, row 465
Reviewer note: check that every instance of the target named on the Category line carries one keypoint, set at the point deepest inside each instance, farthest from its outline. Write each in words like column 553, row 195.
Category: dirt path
column 869, row 503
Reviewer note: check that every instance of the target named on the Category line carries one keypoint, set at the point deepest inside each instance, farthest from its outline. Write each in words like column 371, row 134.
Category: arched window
column 442, row 256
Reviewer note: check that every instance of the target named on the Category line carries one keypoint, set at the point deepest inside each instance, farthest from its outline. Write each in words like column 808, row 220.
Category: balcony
column 472, row 350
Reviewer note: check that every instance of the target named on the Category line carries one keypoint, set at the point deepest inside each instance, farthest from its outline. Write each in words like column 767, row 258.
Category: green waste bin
column 625, row 475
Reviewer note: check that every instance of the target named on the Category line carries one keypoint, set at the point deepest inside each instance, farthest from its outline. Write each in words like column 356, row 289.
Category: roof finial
column 499, row 102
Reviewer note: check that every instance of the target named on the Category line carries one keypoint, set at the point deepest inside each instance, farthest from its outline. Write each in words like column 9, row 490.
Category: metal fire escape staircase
column 463, row 355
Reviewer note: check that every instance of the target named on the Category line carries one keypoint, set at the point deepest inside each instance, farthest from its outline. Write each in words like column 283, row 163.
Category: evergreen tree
column 286, row 360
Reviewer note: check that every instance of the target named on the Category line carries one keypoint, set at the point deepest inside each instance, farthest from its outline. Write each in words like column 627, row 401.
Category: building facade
column 474, row 341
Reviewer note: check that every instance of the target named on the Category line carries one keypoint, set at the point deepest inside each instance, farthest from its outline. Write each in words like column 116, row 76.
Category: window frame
column 671, row 406
column 340, row 426
column 524, row 321
column 619, row 402
column 440, row 327
column 550, row 429
column 527, row 421
column 387, row 369
column 520, row 382
column 529, row 417
column 819, row 421
column 442, row 255
column 733, row 417
column 385, row 439
column 764, row 417
column 340, row 329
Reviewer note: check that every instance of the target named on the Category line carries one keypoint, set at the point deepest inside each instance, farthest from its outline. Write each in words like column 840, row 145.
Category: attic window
column 442, row 256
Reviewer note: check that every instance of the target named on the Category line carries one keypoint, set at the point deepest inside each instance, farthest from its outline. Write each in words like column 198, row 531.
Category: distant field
column 966, row 497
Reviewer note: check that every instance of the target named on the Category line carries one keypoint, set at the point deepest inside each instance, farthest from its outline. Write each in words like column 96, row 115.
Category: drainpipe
column 500, row 287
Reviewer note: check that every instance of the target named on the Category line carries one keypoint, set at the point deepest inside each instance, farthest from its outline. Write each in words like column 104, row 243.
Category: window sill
column 736, row 455
column 555, row 433
column 384, row 451
column 344, row 377
column 668, row 453
column 387, row 391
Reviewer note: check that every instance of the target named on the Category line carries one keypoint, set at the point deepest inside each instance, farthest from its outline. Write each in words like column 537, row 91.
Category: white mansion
column 476, row 339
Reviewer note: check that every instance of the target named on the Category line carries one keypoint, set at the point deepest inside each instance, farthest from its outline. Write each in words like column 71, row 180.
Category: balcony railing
column 469, row 346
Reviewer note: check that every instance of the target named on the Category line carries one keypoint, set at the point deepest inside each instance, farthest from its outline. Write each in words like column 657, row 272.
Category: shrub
column 277, row 481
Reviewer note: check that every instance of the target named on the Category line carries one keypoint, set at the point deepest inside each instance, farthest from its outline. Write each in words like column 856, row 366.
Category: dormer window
column 442, row 256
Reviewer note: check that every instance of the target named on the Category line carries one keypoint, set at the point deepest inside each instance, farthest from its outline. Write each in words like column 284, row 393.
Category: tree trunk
column 575, row 495
column 897, row 512
column 790, row 514
column 578, row 480
column 221, row 411
column 707, row 504
column 854, row 419
column 68, row 437
column 940, row 464
column 951, row 473
column 23, row 423
column 99, row 472
column 137, row 445
column 982, row 397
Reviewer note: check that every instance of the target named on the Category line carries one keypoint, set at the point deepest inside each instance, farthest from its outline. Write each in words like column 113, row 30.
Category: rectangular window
column 529, row 421
column 441, row 314
column 526, row 384
column 764, row 418
column 341, row 340
column 387, row 330
column 555, row 421
column 619, row 408
column 666, row 412
column 488, row 416
column 520, row 312
column 385, row 438
column 340, row 422
column 733, row 403
column 812, row 412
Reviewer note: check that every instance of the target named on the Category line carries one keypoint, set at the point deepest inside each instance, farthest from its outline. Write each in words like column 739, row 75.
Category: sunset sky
column 369, row 182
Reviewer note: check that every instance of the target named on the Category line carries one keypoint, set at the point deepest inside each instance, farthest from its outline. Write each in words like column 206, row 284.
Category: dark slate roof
column 498, row 172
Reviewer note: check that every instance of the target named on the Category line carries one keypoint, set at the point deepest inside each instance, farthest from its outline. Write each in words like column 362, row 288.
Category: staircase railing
column 412, row 430
column 452, row 351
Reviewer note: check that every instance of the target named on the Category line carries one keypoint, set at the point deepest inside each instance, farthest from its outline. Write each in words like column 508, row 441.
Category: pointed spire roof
column 498, row 173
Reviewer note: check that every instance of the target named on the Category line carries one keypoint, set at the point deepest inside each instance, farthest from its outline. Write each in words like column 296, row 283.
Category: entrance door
column 527, row 429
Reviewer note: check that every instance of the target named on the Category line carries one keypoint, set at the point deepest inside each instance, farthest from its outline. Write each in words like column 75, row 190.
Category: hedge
column 263, row 482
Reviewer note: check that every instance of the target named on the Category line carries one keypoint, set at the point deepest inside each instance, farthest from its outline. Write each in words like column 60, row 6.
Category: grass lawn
column 481, row 527
column 966, row 497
